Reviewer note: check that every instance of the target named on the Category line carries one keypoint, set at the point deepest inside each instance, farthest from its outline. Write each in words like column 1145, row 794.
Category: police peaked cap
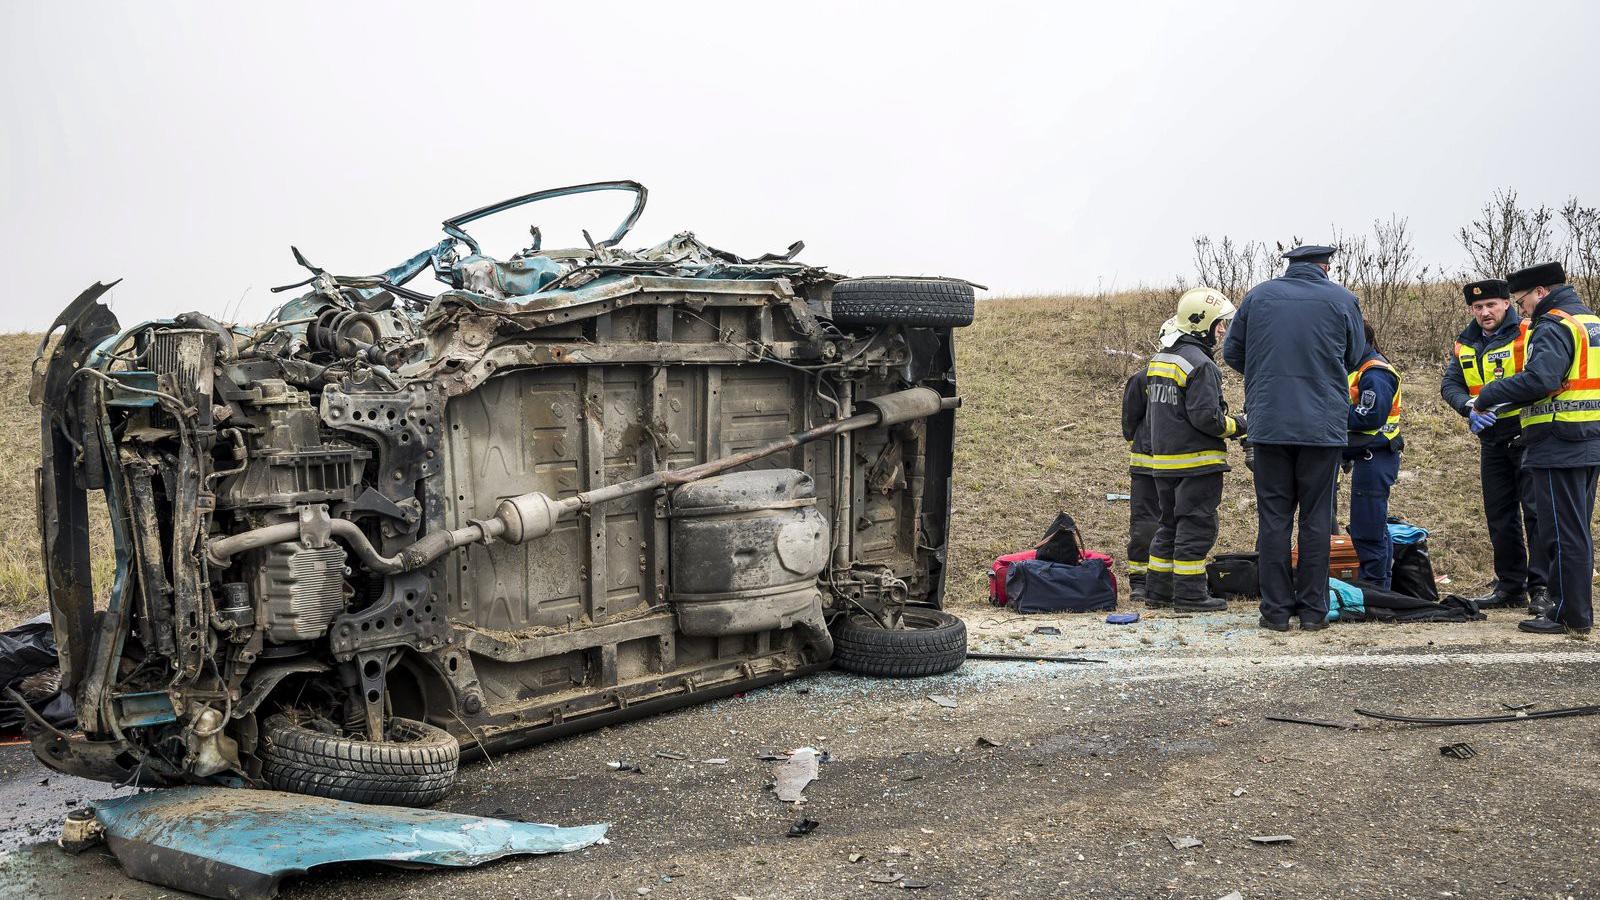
column 1313, row 253
column 1542, row 275
column 1487, row 289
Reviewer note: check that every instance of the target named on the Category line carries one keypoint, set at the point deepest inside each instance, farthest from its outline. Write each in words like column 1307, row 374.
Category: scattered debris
column 1272, row 838
column 669, row 754
column 80, row 831
column 1517, row 707
column 794, row 773
column 1115, row 498
column 857, row 857
column 885, row 878
column 767, row 754
column 802, row 827
column 984, row 741
column 913, row 884
column 1184, row 842
column 228, row 842
column 1050, row 630
column 1320, row 723
column 1024, row 657
column 1127, row 618
column 942, row 700
column 1222, row 722
column 1518, row 716
column 911, row 776
column 1462, row 750
column 716, row 761
column 1234, row 895
column 622, row 765
column 1238, row 792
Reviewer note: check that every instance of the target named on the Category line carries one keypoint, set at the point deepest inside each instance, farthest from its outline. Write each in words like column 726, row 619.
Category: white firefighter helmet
column 1199, row 308
column 1169, row 332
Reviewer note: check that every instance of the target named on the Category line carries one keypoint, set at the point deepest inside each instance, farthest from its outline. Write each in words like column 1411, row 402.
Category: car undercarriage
column 383, row 528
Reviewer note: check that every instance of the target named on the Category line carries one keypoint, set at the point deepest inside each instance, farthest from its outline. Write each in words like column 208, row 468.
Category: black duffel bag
column 1233, row 574
column 1038, row 586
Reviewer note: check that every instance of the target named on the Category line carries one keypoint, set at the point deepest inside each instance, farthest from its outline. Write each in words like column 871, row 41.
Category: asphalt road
column 1099, row 770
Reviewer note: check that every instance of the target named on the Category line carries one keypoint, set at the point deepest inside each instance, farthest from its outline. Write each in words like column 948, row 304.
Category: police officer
column 1144, row 508
column 1188, row 421
column 1296, row 338
column 1373, row 455
column 1495, row 346
column 1559, row 392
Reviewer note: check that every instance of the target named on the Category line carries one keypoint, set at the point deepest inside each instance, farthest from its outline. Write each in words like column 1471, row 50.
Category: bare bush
column 1508, row 237
column 1581, row 225
column 1383, row 272
column 1231, row 267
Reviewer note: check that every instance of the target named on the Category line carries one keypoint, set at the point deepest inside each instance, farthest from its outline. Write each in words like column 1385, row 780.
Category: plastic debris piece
column 1113, row 498
column 912, row 884
column 669, row 754
column 1458, row 751
column 803, row 827
column 1050, row 630
column 1183, row 842
column 1272, row 838
column 885, row 878
column 716, row 761
column 1127, row 618
column 622, row 765
column 942, row 700
column 794, row 773
column 232, row 842
column 984, row 741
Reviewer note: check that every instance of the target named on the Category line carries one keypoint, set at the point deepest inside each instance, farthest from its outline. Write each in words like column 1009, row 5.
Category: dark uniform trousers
column 1565, row 498
column 1508, row 502
column 1290, row 477
column 1187, row 532
column 1144, row 516
column 1371, row 478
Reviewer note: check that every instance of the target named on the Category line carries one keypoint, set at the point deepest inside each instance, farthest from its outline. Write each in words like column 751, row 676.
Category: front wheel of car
column 415, row 766
column 930, row 642
column 919, row 302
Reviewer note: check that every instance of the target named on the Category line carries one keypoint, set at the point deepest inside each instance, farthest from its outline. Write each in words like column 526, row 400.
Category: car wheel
column 931, row 642
column 921, row 302
column 415, row 767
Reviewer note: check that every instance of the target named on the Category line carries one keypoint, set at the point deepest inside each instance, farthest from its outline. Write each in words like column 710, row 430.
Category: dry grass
column 1040, row 431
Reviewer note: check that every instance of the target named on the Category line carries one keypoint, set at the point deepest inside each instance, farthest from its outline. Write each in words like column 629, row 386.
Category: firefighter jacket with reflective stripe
column 1374, row 419
column 1136, row 425
column 1478, row 359
column 1559, row 385
column 1188, row 417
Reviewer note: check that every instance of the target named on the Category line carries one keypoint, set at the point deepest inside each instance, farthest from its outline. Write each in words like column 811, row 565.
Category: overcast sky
column 1033, row 148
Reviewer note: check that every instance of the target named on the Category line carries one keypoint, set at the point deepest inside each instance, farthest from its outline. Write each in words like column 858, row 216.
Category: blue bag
column 1038, row 586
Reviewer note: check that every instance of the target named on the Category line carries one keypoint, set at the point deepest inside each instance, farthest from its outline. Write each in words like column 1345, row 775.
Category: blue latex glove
column 1481, row 420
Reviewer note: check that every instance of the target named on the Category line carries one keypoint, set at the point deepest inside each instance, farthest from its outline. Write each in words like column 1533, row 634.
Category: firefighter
column 1558, row 390
column 1373, row 457
column 1495, row 346
column 1296, row 338
column 1188, row 421
column 1144, row 509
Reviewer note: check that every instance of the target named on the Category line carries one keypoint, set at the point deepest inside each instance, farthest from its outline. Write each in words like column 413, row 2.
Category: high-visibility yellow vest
column 1391, row 425
column 1493, row 364
column 1577, row 401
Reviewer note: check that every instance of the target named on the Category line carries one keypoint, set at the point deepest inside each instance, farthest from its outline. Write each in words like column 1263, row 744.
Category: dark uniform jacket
column 1297, row 338
column 1135, row 425
column 1453, row 386
column 1187, row 416
column 1374, row 399
column 1550, row 351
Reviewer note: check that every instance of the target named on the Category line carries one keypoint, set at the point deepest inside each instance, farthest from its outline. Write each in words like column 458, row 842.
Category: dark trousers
column 1291, row 478
column 1144, row 515
column 1187, row 532
column 1508, row 502
column 1370, row 481
column 1565, row 498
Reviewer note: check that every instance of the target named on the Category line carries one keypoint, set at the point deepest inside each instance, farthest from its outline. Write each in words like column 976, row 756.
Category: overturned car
column 383, row 528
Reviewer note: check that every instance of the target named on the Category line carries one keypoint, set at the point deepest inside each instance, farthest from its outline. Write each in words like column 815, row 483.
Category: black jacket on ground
column 1550, row 352
column 1190, row 417
column 1297, row 338
column 1453, row 385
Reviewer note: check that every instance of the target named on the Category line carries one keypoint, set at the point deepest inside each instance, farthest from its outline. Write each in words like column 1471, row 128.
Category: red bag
column 999, row 568
column 997, row 574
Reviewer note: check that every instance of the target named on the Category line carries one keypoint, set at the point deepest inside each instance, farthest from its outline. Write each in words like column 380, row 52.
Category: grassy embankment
column 1040, row 431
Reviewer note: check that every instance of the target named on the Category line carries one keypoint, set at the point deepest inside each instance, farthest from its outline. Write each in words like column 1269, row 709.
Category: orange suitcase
column 1343, row 563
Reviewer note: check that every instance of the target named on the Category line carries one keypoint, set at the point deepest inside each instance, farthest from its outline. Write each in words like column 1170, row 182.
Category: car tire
column 415, row 767
column 931, row 643
column 920, row 302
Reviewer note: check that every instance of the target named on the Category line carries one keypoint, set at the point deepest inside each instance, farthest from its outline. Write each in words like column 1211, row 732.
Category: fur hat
column 1542, row 275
